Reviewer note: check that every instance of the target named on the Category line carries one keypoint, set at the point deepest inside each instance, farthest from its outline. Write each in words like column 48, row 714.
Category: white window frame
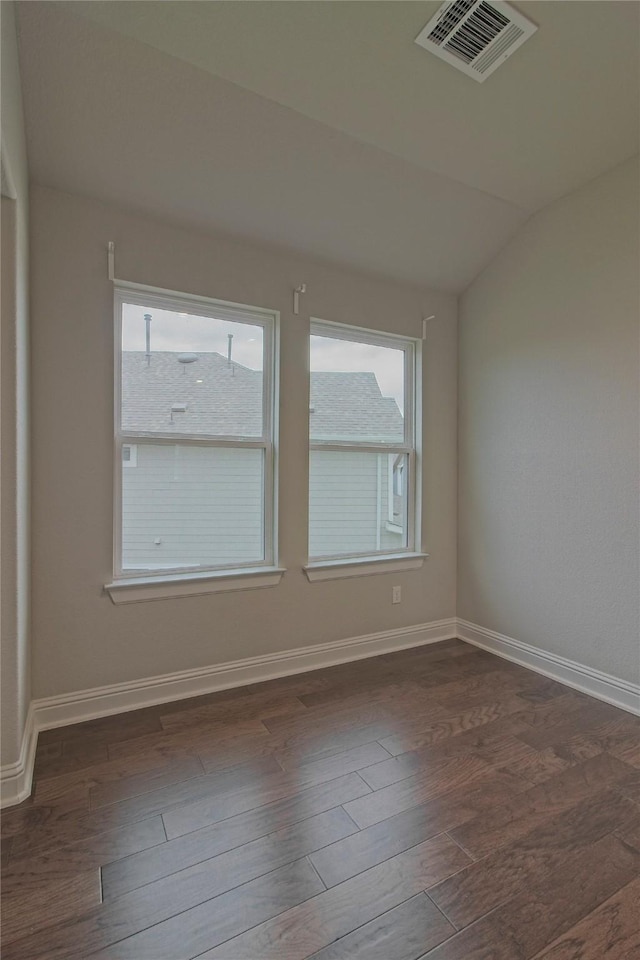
column 409, row 556
column 132, row 585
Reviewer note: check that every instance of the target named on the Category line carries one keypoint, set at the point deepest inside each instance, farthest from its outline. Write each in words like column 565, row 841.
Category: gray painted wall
column 548, row 452
column 549, row 530
column 81, row 639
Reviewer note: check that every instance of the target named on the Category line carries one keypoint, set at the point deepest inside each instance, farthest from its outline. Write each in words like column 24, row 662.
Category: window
column 194, row 417
column 129, row 455
column 362, row 470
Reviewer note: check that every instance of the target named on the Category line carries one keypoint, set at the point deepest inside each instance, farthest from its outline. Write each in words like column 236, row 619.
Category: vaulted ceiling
column 322, row 126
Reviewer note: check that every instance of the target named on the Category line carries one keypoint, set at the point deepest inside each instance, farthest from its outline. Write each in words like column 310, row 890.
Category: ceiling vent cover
column 475, row 36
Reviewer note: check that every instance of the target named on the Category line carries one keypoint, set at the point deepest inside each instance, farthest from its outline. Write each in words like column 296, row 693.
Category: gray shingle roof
column 350, row 406
column 226, row 400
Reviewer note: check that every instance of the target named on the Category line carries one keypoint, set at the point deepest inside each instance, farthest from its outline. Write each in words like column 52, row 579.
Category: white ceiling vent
column 475, row 36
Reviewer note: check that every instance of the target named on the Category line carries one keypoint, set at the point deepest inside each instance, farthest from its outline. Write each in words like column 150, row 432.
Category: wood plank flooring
column 433, row 804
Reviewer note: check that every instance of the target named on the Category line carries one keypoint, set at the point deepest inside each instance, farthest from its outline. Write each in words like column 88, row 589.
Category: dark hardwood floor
column 435, row 803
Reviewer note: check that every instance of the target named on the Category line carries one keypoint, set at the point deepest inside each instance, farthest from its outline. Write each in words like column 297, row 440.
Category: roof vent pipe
column 147, row 337
column 229, row 349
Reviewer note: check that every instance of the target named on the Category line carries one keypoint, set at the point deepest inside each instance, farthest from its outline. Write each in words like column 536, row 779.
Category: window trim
column 363, row 566
column 218, row 577
column 162, row 587
column 327, row 567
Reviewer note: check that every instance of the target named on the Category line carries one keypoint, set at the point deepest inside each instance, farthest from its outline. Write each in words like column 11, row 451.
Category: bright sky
column 188, row 333
column 388, row 365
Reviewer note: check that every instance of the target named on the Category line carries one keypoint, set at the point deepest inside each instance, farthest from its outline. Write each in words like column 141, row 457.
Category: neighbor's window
column 362, row 471
column 129, row 455
column 194, row 435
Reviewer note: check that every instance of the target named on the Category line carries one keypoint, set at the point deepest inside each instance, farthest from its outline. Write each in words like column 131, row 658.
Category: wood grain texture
column 401, row 933
column 193, row 815
column 496, row 750
column 250, row 859
column 56, row 759
column 97, row 772
column 420, row 734
column 184, row 851
column 107, row 730
column 125, row 788
column 630, row 831
column 349, row 761
column 216, row 921
column 485, row 884
column 300, row 932
column 257, row 707
column 590, row 715
column 5, row 850
column 64, row 862
column 190, row 739
column 51, row 819
column 630, row 786
column 437, row 802
column 43, row 900
column 382, row 840
column 610, row 931
column 519, row 816
column 524, row 924
column 440, row 777
column 540, row 765
column 60, row 826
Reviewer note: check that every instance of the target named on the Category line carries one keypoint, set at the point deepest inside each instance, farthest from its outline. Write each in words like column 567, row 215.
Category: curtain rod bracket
column 111, row 254
column 425, row 321
column 301, row 288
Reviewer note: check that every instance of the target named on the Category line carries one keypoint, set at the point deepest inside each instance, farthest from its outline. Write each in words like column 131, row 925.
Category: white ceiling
column 322, row 126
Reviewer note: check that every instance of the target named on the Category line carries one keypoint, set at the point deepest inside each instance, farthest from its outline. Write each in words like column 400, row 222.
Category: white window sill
column 363, row 566
column 137, row 589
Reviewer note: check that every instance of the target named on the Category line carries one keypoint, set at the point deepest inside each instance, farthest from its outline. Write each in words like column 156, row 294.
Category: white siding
column 348, row 503
column 203, row 504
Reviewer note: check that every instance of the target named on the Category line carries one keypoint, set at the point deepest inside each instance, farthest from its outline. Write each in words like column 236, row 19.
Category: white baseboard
column 84, row 705
column 603, row 686
column 15, row 778
column 60, row 711
column 136, row 694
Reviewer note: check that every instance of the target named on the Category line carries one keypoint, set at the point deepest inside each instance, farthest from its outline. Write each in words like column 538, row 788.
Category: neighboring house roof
column 350, row 406
column 228, row 401
column 224, row 399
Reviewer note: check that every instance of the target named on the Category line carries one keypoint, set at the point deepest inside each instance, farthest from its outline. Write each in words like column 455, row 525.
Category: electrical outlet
column 396, row 595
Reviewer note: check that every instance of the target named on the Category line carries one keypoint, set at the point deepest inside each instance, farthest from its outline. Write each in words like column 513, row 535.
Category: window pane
column 357, row 391
column 188, row 506
column 352, row 505
column 185, row 382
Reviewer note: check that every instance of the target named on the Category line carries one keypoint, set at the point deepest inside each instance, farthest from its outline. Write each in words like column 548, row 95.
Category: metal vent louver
column 475, row 36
